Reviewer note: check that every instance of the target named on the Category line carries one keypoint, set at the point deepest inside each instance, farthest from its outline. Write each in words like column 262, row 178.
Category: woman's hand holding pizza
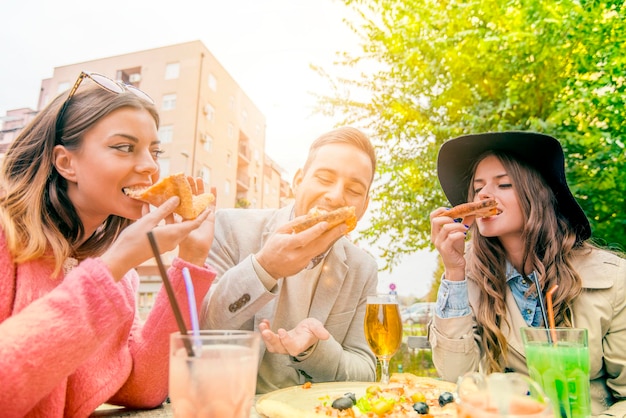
column 132, row 248
column 306, row 334
column 195, row 247
column 448, row 237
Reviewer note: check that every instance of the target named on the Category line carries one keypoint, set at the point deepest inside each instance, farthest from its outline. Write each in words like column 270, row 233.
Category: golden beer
column 383, row 328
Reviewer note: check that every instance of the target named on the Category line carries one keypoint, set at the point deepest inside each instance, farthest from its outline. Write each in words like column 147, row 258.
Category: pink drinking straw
column 551, row 312
column 193, row 311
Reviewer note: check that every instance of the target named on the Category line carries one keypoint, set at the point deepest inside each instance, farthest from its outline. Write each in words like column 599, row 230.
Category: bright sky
column 266, row 45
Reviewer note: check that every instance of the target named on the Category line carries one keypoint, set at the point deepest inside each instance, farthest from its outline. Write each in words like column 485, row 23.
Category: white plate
column 300, row 402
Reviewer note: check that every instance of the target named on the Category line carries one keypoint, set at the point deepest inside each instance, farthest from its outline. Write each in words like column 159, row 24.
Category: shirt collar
column 512, row 273
column 315, row 261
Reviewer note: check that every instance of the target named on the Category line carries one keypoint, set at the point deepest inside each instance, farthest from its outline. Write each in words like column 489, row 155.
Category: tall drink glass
column 383, row 330
column 558, row 360
column 219, row 380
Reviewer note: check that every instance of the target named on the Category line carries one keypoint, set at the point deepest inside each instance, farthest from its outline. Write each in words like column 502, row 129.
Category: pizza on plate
column 190, row 205
column 405, row 396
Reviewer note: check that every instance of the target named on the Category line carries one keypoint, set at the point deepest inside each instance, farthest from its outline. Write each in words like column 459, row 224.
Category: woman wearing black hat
column 487, row 292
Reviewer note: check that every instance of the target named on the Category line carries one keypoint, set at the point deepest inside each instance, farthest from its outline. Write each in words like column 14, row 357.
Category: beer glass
column 383, row 330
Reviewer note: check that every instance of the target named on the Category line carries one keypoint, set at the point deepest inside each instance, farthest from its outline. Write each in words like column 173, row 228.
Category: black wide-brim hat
column 544, row 153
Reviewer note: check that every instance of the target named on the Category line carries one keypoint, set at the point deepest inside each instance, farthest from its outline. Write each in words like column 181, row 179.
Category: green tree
column 433, row 70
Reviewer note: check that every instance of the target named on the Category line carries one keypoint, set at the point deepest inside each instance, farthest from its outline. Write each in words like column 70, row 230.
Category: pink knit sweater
column 69, row 344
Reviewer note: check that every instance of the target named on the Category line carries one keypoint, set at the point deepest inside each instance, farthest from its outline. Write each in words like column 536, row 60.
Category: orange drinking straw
column 551, row 312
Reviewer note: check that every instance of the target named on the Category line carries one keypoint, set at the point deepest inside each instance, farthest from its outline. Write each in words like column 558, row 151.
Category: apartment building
column 12, row 124
column 209, row 127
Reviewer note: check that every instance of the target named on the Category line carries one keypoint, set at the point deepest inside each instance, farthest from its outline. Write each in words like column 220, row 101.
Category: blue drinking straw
column 195, row 326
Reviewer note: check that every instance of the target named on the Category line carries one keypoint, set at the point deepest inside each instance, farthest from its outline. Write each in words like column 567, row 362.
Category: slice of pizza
column 190, row 205
column 480, row 209
column 335, row 217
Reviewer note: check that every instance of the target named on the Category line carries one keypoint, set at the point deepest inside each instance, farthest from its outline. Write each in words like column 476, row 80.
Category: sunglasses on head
column 103, row 82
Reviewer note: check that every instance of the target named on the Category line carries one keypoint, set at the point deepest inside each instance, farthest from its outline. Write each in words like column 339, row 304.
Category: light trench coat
column 601, row 308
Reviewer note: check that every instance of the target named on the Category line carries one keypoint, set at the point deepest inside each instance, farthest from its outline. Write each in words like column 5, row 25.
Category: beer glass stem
column 384, row 370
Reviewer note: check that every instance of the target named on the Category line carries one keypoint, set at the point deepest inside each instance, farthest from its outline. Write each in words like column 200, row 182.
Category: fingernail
column 458, row 220
column 466, row 226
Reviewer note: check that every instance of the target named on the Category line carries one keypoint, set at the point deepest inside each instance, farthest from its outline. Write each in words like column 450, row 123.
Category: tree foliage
column 431, row 70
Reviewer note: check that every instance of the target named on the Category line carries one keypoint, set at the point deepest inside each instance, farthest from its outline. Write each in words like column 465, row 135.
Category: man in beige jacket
column 304, row 292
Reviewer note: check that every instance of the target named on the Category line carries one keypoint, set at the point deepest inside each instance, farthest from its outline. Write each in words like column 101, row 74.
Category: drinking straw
column 542, row 305
column 551, row 312
column 170, row 293
column 193, row 311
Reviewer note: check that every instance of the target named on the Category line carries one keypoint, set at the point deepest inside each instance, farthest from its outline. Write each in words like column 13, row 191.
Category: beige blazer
column 238, row 299
column 601, row 308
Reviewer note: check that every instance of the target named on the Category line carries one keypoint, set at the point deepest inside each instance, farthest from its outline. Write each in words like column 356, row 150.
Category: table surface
column 163, row 411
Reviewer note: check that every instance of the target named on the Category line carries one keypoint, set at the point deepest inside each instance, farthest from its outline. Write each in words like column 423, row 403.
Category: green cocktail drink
column 561, row 368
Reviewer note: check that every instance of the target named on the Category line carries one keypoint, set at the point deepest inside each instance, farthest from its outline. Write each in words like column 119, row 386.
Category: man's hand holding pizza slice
column 293, row 245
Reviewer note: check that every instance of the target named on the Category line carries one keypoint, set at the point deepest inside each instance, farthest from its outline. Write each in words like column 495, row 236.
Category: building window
column 212, row 82
column 164, row 165
column 227, row 187
column 231, row 131
column 205, row 174
column 231, row 102
column 172, row 71
column 207, row 142
column 209, row 111
column 65, row 85
column 228, row 159
column 129, row 76
column 244, row 117
column 166, row 134
column 169, row 101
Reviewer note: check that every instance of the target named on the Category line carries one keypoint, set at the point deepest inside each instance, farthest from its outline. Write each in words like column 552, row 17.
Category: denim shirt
column 453, row 301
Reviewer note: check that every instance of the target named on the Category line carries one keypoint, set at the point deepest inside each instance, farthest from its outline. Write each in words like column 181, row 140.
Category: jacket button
column 235, row 306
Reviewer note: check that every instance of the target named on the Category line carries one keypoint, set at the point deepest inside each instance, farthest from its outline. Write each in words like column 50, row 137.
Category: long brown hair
column 35, row 210
column 550, row 244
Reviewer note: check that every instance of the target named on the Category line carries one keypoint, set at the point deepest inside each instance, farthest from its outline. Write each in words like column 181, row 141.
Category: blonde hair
column 550, row 245
column 343, row 135
column 37, row 216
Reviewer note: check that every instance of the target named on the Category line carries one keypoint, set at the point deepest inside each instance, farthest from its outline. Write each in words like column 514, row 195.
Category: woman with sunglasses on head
column 540, row 233
column 70, row 335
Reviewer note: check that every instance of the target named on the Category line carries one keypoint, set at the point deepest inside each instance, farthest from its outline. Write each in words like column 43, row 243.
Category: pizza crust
column 190, row 205
column 269, row 408
column 346, row 214
column 481, row 209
